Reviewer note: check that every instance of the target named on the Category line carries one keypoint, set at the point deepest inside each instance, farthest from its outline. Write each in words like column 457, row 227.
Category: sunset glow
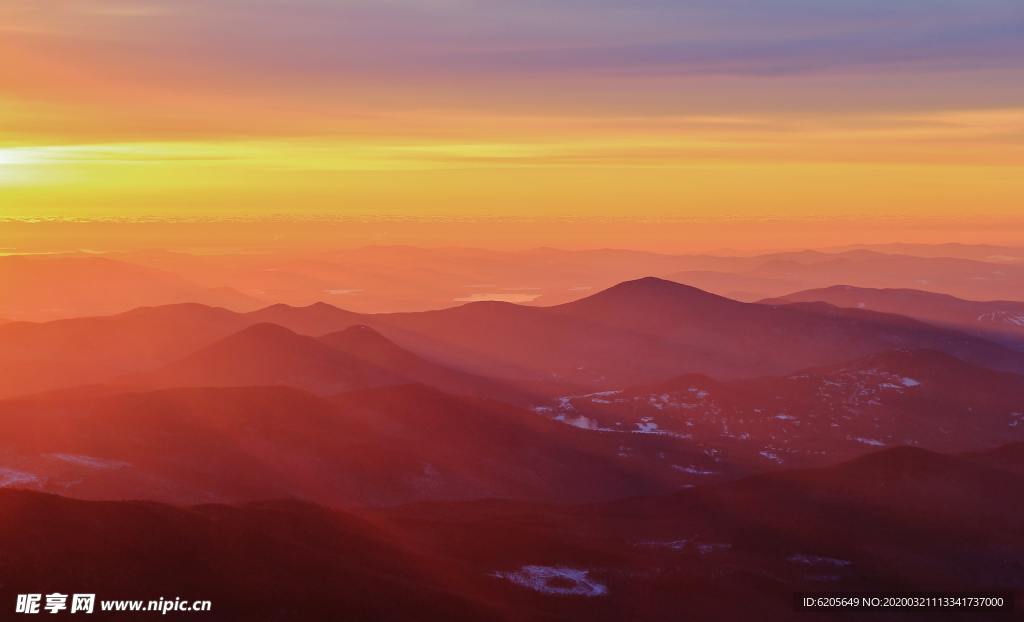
column 466, row 108
column 508, row 310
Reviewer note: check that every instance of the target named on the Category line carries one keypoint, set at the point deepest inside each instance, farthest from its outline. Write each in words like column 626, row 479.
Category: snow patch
column 646, row 427
column 582, row 422
column 554, row 580
column 706, row 548
column 692, row 470
column 89, row 461
column 1003, row 317
column 808, row 559
column 604, row 393
column 13, row 477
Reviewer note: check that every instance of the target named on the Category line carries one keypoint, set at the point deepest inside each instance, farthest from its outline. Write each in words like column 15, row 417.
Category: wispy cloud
column 547, row 102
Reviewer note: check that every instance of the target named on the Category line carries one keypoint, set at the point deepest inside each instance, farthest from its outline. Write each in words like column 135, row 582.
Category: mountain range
column 638, row 452
column 900, row 519
column 376, row 446
column 378, row 279
column 1000, row 320
column 918, row 398
column 636, row 332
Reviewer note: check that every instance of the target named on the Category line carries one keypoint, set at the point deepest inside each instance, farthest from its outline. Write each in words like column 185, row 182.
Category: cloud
column 332, row 39
column 208, row 67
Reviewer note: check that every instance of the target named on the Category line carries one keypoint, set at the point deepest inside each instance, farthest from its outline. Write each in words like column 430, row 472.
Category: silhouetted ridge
column 902, row 359
column 262, row 331
column 363, row 340
column 184, row 309
column 901, row 458
column 266, row 353
column 636, row 304
column 321, row 305
column 316, row 306
column 650, row 287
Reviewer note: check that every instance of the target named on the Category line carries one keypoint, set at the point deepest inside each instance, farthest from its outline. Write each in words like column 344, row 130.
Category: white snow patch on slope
column 647, row 427
column 692, row 470
column 868, row 441
column 808, row 559
column 582, row 422
column 555, row 580
column 89, row 461
column 13, row 477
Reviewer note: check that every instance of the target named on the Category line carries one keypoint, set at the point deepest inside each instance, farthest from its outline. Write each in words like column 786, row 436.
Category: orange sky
column 855, row 112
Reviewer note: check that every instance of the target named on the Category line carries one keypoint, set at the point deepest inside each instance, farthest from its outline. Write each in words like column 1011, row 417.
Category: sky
column 863, row 111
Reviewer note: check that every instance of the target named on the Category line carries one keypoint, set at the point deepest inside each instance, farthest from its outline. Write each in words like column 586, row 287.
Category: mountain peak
column 648, row 290
column 263, row 330
column 322, row 306
column 654, row 286
column 285, row 307
column 178, row 309
column 647, row 282
column 261, row 337
column 358, row 335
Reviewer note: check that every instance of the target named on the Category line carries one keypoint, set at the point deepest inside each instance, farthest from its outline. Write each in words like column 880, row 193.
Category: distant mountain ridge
column 636, row 332
column 268, row 354
column 63, row 286
column 357, row 357
column 998, row 320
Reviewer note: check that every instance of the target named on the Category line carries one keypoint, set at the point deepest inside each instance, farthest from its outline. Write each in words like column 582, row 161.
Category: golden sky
column 649, row 109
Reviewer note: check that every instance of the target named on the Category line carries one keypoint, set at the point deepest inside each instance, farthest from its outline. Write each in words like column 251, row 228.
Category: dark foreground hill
column 377, row 446
column 902, row 519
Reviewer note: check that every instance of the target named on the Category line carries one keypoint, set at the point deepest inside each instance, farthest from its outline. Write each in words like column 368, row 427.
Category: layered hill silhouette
column 637, row 332
column 758, row 339
column 648, row 451
column 371, row 348
column 376, row 446
column 355, row 358
column 268, row 354
column 271, row 561
column 921, row 398
column 1007, row 457
column 65, row 353
column 392, row 278
column 1000, row 320
column 899, row 520
column 982, row 275
column 46, row 287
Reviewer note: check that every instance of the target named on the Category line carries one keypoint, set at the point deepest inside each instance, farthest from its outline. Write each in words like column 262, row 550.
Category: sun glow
column 9, row 157
column 434, row 116
column 16, row 165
